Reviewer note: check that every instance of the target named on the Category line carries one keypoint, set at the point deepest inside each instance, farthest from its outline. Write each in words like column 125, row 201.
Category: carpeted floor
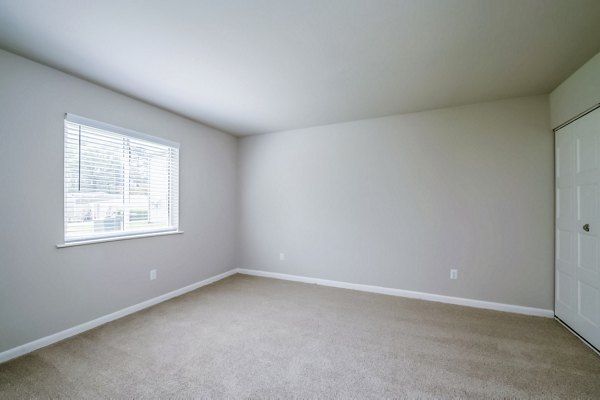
column 248, row 337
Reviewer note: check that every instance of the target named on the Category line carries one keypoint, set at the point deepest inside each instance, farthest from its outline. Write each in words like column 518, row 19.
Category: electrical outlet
column 152, row 274
column 281, row 256
column 453, row 274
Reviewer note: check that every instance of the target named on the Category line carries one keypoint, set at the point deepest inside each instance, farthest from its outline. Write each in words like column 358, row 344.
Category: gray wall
column 398, row 201
column 576, row 94
column 394, row 202
column 43, row 289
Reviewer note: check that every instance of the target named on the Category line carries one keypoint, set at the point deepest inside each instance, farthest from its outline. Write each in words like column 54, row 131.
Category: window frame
column 122, row 234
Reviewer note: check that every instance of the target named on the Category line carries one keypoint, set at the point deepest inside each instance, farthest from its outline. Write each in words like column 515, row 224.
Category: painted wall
column 578, row 93
column 399, row 201
column 43, row 289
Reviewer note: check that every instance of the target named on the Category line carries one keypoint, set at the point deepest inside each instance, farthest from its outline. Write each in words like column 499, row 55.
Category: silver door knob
column 586, row 227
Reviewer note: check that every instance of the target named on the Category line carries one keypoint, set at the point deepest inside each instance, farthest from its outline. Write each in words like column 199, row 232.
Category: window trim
column 110, row 237
column 116, row 238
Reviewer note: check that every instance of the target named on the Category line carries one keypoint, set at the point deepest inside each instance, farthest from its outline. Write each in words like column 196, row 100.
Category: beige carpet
column 248, row 337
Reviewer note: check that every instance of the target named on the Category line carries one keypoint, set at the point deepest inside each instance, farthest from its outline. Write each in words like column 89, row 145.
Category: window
column 118, row 182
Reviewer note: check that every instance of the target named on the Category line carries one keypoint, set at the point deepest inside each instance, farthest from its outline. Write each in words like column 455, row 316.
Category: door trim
column 575, row 118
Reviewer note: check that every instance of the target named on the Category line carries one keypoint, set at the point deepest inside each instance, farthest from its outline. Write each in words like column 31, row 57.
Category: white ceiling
column 256, row 66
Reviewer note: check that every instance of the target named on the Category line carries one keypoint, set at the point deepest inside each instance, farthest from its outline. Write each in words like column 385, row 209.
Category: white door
column 577, row 293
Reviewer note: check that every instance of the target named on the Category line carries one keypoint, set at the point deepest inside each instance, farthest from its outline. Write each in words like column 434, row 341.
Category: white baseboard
column 538, row 312
column 56, row 337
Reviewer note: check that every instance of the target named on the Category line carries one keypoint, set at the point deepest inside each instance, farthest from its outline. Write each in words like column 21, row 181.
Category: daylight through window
column 118, row 182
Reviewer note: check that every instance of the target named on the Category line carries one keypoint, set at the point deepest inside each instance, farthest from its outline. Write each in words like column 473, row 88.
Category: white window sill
column 114, row 239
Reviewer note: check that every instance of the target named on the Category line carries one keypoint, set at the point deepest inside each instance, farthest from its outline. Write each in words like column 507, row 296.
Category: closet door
column 577, row 294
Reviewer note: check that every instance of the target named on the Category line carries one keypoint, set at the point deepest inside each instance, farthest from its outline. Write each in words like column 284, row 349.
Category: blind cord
column 79, row 169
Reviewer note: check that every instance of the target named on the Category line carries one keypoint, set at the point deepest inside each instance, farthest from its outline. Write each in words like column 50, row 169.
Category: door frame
column 563, row 323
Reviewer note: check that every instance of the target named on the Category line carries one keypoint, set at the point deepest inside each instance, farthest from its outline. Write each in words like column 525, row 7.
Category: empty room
column 260, row 199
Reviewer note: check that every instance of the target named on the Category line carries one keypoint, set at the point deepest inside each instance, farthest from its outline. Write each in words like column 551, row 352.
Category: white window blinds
column 118, row 182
